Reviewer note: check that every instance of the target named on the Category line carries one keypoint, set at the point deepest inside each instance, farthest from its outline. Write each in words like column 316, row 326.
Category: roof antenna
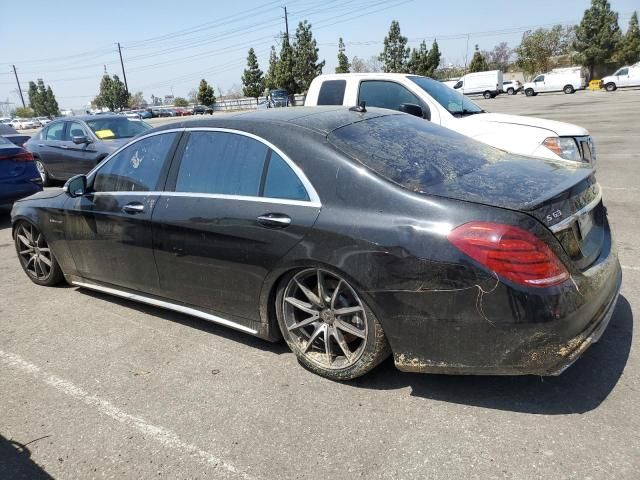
column 360, row 108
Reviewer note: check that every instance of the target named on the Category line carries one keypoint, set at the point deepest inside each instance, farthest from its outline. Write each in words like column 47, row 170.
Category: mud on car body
column 352, row 234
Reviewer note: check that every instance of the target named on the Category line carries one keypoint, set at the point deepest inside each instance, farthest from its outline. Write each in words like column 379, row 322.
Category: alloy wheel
column 34, row 252
column 325, row 318
column 41, row 170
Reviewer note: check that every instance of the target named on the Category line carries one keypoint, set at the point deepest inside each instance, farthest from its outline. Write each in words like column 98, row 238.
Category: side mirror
column 79, row 139
column 411, row 109
column 76, row 186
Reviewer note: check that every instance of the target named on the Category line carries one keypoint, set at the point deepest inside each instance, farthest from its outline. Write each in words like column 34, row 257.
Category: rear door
column 109, row 228
column 235, row 208
column 51, row 149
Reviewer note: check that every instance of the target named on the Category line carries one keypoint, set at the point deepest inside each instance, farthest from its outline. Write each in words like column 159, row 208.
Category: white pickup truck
column 444, row 106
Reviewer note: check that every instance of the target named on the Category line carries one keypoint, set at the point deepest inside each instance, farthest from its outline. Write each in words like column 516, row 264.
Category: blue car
column 19, row 176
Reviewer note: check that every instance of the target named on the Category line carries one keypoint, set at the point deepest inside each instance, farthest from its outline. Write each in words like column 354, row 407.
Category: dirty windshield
column 452, row 100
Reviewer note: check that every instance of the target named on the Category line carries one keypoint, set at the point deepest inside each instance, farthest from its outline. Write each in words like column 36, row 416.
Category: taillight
column 511, row 252
column 23, row 156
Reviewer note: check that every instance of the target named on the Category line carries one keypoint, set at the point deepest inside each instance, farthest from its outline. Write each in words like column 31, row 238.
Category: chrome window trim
column 567, row 222
column 221, row 196
column 167, row 305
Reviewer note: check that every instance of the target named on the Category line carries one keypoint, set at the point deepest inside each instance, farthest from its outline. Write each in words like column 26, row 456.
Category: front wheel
column 487, row 94
column 511, row 91
column 529, row 92
column 328, row 326
column 610, row 87
column 35, row 256
column 568, row 89
column 44, row 175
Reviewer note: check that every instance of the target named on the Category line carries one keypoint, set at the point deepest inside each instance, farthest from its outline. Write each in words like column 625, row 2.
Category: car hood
column 561, row 129
column 44, row 194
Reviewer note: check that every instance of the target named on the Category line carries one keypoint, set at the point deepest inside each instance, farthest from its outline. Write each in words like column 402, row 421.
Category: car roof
column 319, row 119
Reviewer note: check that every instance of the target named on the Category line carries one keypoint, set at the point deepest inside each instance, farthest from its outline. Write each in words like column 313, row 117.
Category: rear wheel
column 487, row 94
column 511, row 91
column 35, row 256
column 328, row 326
column 568, row 89
column 610, row 87
column 44, row 175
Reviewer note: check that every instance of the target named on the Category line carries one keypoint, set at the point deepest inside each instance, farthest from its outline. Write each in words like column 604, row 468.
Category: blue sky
column 168, row 46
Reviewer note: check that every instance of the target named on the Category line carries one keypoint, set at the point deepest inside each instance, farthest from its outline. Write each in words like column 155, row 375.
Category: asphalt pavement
column 93, row 386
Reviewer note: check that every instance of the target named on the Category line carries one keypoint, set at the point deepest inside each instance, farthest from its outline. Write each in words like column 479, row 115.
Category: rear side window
column 282, row 182
column 55, row 131
column 223, row 163
column 137, row 168
column 332, row 92
column 411, row 152
column 384, row 94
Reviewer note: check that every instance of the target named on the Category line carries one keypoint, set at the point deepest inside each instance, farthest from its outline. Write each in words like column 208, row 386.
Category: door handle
column 133, row 207
column 277, row 220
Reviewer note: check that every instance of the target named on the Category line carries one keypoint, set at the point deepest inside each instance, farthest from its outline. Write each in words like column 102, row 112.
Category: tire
column 610, row 87
column 35, row 257
column 510, row 91
column 487, row 95
column 529, row 92
column 44, row 175
column 568, row 89
column 307, row 319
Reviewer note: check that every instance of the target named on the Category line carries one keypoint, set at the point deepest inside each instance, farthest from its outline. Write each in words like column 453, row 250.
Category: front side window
column 539, row 78
column 55, row 131
column 332, row 92
column 282, row 182
column 383, row 94
column 136, row 168
column 75, row 129
column 622, row 71
column 222, row 163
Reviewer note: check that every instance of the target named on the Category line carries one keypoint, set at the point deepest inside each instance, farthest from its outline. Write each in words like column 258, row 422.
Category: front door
column 237, row 208
column 109, row 228
column 79, row 158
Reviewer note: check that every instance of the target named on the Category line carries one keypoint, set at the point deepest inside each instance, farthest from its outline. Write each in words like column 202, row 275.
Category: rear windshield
column 412, row 152
column 112, row 128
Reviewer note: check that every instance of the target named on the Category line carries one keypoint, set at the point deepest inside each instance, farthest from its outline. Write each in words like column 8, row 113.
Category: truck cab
column 440, row 104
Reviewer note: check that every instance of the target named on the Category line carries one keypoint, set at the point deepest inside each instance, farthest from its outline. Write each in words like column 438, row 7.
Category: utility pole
column 124, row 75
column 466, row 54
column 286, row 22
column 19, row 87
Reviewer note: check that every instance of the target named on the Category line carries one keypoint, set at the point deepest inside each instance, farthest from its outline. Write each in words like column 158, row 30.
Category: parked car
column 10, row 133
column 628, row 76
column 44, row 120
column 352, row 233
column 22, row 123
column 145, row 114
column 131, row 114
column 202, row 110
column 511, row 87
column 278, row 98
column 18, row 173
column 566, row 80
column 444, row 106
column 73, row 145
column 182, row 112
column 488, row 84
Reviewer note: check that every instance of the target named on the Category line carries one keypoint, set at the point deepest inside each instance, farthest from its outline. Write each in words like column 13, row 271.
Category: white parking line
column 162, row 435
column 627, row 267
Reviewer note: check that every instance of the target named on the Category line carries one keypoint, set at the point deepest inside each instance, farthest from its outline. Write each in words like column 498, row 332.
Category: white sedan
column 22, row 123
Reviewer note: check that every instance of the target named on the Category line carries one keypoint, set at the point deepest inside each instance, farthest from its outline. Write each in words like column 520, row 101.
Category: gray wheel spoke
column 342, row 343
column 299, row 304
column 27, row 234
column 31, row 259
column 45, row 260
column 313, row 337
column 28, row 250
column 334, row 297
column 347, row 327
column 327, row 344
column 304, row 323
column 25, row 241
column 45, row 249
column 313, row 298
column 321, row 290
column 347, row 310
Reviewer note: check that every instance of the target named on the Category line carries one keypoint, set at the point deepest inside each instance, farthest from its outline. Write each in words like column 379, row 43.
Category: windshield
column 452, row 100
column 114, row 128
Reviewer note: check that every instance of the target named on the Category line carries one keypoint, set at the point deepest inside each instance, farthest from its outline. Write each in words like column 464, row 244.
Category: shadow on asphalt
column 5, row 218
column 581, row 388
column 16, row 463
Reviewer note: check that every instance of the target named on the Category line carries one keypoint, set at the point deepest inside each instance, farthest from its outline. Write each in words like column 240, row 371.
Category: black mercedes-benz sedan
column 352, row 234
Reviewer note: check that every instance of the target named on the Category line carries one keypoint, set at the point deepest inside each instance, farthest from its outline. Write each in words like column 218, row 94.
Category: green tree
column 112, row 94
column 285, row 77
column 136, row 100
column 478, row 62
column 537, row 48
column 51, row 107
column 305, row 58
column 424, row 61
column 343, row 60
column 24, row 112
column 206, row 96
column 433, row 59
column 180, row 102
column 270, row 78
column 252, row 79
column 629, row 47
column 499, row 58
column 597, row 36
column 42, row 100
column 395, row 55
column 35, row 99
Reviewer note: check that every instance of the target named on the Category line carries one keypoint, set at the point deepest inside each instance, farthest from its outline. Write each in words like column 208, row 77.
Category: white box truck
column 488, row 84
column 434, row 101
column 566, row 80
column 628, row 76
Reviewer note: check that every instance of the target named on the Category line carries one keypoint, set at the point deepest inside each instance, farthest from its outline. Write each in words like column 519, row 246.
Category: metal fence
column 250, row 103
